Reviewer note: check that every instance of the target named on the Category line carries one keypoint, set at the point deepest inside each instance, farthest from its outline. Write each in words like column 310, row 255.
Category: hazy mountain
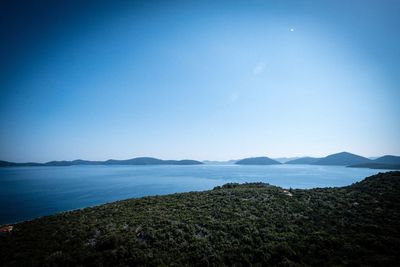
column 183, row 162
column 14, row 164
column 257, row 161
column 305, row 160
column 134, row 161
column 7, row 163
column 387, row 162
column 388, row 159
column 342, row 159
column 70, row 163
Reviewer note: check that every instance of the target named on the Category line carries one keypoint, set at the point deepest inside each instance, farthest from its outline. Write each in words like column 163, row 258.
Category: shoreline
column 253, row 223
column 171, row 194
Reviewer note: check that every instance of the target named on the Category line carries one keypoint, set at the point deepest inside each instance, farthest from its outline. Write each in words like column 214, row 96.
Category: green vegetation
column 256, row 224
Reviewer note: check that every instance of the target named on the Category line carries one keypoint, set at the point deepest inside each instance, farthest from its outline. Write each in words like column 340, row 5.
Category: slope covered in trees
column 230, row 225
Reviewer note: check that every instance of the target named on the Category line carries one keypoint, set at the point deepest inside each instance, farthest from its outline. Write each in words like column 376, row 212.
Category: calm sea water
column 30, row 192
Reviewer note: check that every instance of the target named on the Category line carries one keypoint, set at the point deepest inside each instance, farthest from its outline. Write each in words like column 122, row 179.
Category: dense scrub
column 234, row 224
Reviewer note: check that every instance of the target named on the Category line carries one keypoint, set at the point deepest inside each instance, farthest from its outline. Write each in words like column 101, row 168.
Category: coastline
column 176, row 228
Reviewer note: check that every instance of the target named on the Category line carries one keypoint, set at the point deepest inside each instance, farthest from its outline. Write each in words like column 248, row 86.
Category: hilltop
column 385, row 162
column 342, row 159
column 388, row 162
column 304, row 160
column 242, row 225
column 388, row 159
column 257, row 161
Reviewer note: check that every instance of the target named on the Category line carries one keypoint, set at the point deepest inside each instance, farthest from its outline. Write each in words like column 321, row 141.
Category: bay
column 31, row 192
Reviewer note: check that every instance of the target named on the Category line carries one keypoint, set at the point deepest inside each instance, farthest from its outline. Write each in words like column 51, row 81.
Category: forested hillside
column 234, row 224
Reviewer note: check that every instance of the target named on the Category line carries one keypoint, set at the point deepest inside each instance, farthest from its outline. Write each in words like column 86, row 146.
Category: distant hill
column 14, row 164
column 183, row 162
column 388, row 159
column 6, row 163
column 151, row 161
column 387, row 162
column 305, row 160
column 342, row 159
column 134, row 161
column 70, row 163
column 257, row 161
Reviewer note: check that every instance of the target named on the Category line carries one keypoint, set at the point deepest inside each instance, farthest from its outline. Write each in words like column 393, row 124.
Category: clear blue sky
column 211, row 80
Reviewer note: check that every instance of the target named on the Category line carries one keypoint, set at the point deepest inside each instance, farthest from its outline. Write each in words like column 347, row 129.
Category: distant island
column 257, row 161
column 388, row 162
column 341, row 159
column 385, row 162
column 347, row 159
column 134, row 161
column 232, row 225
column 304, row 160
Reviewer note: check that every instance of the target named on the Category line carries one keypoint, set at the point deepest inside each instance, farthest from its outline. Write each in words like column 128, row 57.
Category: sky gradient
column 214, row 80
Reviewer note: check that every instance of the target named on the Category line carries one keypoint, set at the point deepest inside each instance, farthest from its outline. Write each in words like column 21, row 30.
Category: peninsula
column 235, row 224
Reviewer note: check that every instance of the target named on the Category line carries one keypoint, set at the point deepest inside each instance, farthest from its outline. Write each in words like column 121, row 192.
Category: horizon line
column 201, row 160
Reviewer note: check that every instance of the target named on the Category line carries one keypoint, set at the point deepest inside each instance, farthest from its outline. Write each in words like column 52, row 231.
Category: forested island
column 257, row 161
column 134, row 161
column 235, row 224
column 388, row 162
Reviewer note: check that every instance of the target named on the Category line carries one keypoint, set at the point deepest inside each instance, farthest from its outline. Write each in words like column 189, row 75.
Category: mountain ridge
column 133, row 161
column 342, row 159
column 337, row 159
column 303, row 160
column 388, row 162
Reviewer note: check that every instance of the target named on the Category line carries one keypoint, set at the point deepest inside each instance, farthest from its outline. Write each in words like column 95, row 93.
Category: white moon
column 292, row 30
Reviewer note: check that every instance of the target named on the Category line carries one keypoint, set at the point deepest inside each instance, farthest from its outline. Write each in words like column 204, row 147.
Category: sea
column 31, row 192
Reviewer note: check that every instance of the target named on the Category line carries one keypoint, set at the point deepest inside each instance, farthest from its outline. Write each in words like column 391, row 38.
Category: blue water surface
column 31, row 192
